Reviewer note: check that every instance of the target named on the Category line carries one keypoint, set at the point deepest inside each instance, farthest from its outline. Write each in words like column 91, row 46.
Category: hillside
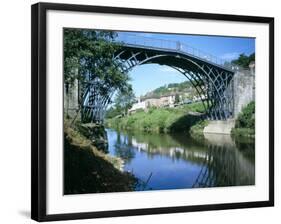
column 172, row 88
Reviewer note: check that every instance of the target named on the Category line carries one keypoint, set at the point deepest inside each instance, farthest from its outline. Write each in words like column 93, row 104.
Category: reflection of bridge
column 225, row 167
column 221, row 163
column 208, row 75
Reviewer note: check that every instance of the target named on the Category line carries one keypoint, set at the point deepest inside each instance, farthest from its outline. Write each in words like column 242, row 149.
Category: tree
column 112, row 112
column 244, row 60
column 89, row 58
column 124, row 100
column 177, row 98
column 91, row 53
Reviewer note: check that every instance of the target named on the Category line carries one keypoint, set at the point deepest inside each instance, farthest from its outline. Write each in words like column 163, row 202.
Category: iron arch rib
column 210, row 81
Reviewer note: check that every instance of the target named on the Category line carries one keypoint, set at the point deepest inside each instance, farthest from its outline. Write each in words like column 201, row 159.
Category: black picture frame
column 39, row 122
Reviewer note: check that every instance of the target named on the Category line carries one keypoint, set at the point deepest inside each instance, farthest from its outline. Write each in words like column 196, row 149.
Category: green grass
column 161, row 120
column 199, row 127
column 196, row 131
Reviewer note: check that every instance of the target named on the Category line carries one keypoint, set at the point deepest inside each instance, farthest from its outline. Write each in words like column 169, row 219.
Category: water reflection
column 123, row 147
column 164, row 161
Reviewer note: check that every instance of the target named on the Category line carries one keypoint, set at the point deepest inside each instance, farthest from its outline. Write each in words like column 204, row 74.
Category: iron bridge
column 210, row 76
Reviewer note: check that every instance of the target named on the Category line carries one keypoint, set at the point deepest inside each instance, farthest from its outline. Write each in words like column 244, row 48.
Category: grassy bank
column 160, row 120
column 196, row 131
column 89, row 170
column 245, row 122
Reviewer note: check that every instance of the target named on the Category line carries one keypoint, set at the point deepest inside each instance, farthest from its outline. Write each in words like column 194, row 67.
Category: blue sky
column 148, row 77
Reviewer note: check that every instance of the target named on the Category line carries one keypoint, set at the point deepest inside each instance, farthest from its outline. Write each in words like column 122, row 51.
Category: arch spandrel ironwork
column 212, row 81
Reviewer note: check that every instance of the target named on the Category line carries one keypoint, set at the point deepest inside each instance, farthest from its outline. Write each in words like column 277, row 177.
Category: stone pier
column 220, row 127
column 243, row 87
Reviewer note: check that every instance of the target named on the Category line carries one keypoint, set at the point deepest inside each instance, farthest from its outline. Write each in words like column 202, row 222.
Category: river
column 163, row 161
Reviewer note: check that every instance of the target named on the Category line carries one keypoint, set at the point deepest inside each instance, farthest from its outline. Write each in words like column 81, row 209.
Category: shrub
column 243, row 132
column 246, row 119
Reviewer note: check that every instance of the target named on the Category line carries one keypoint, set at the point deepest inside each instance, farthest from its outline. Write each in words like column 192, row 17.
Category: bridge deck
column 181, row 53
column 137, row 41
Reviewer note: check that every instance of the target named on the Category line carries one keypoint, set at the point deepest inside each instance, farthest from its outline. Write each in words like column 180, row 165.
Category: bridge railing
column 143, row 41
column 147, row 41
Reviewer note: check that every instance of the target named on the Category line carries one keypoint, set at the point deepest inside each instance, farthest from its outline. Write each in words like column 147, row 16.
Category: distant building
column 168, row 100
column 197, row 98
column 163, row 101
column 137, row 106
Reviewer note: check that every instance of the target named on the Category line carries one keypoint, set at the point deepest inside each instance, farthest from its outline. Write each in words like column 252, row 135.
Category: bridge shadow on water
column 185, row 122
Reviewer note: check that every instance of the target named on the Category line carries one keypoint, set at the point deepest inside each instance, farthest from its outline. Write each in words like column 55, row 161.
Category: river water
column 162, row 161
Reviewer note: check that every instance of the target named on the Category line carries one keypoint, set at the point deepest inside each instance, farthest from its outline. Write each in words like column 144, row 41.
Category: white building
column 164, row 101
column 137, row 106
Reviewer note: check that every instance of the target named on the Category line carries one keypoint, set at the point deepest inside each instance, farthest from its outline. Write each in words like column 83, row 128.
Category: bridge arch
column 212, row 82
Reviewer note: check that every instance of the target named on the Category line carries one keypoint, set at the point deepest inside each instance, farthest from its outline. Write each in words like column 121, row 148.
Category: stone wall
column 71, row 94
column 243, row 90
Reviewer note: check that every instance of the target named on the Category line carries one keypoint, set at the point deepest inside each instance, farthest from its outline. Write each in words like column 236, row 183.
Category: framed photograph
column 140, row 111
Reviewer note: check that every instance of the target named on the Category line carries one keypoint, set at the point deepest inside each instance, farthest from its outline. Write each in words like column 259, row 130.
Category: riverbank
column 160, row 120
column 88, row 169
column 244, row 125
column 181, row 119
column 196, row 131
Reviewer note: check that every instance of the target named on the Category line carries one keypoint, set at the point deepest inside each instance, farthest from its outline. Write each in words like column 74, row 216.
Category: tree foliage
column 246, row 119
column 88, row 55
column 124, row 101
column 244, row 60
column 177, row 98
column 172, row 88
